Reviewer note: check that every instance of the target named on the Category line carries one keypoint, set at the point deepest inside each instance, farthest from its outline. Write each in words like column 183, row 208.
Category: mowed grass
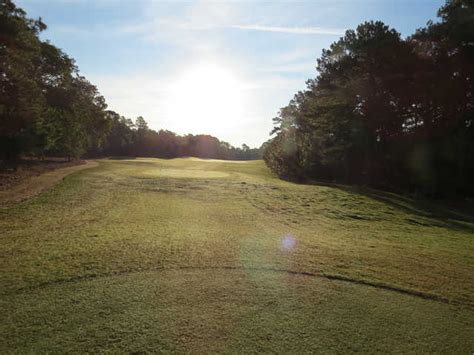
column 189, row 255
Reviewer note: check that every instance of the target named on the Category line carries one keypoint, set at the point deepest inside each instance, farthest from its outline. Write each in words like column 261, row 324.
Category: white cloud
column 151, row 26
column 216, row 16
column 289, row 30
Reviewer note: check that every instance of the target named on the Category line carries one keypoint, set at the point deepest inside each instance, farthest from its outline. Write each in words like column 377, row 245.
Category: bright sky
column 222, row 68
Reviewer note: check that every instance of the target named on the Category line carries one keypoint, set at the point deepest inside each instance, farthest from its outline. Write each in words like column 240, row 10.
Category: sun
column 206, row 99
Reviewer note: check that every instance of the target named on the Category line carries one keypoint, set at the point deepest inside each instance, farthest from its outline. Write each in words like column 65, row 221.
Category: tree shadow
column 121, row 158
column 459, row 216
column 449, row 214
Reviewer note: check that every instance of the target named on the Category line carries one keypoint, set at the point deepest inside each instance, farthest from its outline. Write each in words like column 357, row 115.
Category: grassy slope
column 189, row 255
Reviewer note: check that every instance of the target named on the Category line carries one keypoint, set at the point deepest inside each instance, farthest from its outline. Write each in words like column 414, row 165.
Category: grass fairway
column 189, row 255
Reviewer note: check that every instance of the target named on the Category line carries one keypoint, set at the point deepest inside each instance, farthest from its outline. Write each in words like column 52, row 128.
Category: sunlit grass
column 186, row 255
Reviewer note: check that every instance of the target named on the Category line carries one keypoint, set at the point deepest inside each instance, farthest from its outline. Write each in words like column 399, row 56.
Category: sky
column 202, row 67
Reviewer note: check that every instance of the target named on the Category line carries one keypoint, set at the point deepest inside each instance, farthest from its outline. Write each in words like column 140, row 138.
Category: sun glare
column 206, row 99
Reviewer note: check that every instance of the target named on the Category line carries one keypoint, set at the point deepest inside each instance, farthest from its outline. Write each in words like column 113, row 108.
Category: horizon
column 235, row 63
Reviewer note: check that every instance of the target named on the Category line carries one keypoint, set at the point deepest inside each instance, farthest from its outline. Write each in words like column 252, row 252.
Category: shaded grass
column 462, row 217
column 233, row 311
column 112, row 232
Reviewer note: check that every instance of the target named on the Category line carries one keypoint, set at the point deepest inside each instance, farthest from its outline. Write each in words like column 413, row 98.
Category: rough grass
column 204, row 256
column 19, row 185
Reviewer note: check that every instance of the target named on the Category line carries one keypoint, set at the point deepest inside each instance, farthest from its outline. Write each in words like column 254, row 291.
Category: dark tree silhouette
column 387, row 112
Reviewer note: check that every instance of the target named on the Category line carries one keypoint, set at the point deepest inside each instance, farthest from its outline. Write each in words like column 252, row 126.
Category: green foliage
column 21, row 101
column 46, row 107
column 379, row 101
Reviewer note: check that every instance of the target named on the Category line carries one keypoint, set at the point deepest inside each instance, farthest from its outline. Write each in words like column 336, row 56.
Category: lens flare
column 288, row 242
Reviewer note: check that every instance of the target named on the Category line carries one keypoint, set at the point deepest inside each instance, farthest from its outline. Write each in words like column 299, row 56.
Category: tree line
column 387, row 112
column 48, row 109
column 133, row 138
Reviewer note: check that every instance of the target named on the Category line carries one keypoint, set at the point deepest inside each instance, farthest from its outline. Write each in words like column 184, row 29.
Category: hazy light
column 288, row 242
column 208, row 98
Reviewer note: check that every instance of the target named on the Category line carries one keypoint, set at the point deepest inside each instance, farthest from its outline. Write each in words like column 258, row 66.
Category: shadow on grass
column 454, row 216
column 121, row 158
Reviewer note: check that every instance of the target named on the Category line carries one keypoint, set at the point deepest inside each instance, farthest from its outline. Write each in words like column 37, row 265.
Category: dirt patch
column 15, row 174
column 30, row 179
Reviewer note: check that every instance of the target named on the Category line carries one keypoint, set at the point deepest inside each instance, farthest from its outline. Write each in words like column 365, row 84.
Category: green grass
column 189, row 255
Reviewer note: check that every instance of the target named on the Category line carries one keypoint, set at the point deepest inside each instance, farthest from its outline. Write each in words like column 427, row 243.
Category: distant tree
column 140, row 124
column 168, row 144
